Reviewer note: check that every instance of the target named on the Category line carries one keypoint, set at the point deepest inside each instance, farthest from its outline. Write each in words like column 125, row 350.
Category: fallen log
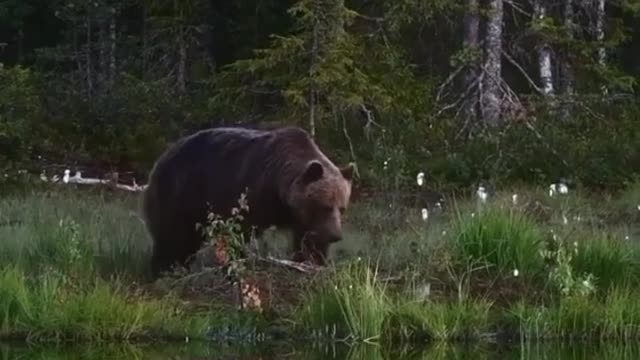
column 78, row 179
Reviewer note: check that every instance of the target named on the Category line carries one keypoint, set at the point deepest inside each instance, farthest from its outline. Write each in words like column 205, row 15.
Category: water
column 564, row 351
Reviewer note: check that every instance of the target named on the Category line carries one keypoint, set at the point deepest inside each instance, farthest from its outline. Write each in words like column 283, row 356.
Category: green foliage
column 504, row 239
column 352, row 305
column 463, row 320
column 612, row 262
column 46, row 309
column 78, row 234
column 20, row 110
column 614, row 318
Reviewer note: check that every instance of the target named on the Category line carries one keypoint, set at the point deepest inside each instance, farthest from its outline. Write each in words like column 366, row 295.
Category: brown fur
column 291, row 184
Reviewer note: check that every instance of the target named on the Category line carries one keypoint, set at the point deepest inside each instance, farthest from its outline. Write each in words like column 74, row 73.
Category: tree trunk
column 145, row 35
column 313, row 91
column 471, row 42
column 112, row 50
column 88, row 59
column 602, row 51
column 182, row 63
column 101, row 72
column 493, row 64
column 544, row 52
column 566, row 70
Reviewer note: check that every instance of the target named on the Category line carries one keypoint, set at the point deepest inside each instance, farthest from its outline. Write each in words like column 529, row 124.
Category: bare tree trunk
column 182, row 62
column 493, row 64
column 567, row 70
column 144, row 40
column 602, row 51
column 88, row 58
column 328, row 29
column 112, row 50
column 101, row 72
column 471, row 42
column 313, row 91
column 544, row 52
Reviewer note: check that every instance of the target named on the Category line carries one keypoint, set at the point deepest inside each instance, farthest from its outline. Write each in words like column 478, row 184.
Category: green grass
column 351, row 305
column 71, row 261
column 463, row 320
column 107, row 231
column 51, row 307
column 615, row 317
column 504, row 239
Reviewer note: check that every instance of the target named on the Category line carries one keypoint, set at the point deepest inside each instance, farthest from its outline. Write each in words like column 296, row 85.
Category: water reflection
column 563, row 351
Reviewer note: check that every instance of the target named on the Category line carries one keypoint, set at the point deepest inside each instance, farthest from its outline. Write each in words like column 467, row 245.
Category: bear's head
column 320, row 197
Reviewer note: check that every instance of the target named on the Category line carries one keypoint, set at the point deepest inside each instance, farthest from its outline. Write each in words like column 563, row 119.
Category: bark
column 566, row 80
column 602, row 51
column 144, row 40
column 493, row 64
column 112, row 50
column 566, row 69
column 102, row 53
column 544, row 52
column 313, row 91
column 182, row 63
column 328, row 28
column 471, row 42
column 88, row 64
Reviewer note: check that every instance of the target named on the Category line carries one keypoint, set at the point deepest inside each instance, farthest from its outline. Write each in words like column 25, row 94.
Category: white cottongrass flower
column 626, row 237
column 425, row 214
column 516, row 272
column 565, row 220
column 639, row 207
column 420, row 178
column 482, row 193
column 65, row 178
column 563, row 189
column 514, row 199
column 552, row 189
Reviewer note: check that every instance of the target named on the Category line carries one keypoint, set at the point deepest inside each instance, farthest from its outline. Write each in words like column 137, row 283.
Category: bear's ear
column 347, row 171
column 313, row 172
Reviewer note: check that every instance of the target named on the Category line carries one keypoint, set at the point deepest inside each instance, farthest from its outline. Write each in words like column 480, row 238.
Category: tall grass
column 352, row 305
column 49, row 307
column 504, row 239
column 463, row 320
column 72, row 226
column 616, row 317
column 612, row 261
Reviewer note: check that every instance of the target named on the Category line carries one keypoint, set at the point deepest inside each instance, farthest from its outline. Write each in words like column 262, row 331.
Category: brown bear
column 289, row 183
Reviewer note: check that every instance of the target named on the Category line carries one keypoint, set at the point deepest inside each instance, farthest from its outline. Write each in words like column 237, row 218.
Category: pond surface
column 564, row 351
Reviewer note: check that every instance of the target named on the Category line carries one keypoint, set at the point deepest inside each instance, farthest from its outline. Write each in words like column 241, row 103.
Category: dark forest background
column 464, row 90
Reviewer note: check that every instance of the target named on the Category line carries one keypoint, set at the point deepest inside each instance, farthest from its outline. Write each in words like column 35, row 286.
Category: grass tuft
column 504, row 239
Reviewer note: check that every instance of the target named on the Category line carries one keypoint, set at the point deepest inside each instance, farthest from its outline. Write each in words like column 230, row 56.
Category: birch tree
column 543, row 50
column 600, row 15
column 491, row 94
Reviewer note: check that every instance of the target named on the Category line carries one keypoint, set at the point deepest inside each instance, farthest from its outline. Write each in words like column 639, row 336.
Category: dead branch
column 78, row 179
column 524, row 73
column 302, row 267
